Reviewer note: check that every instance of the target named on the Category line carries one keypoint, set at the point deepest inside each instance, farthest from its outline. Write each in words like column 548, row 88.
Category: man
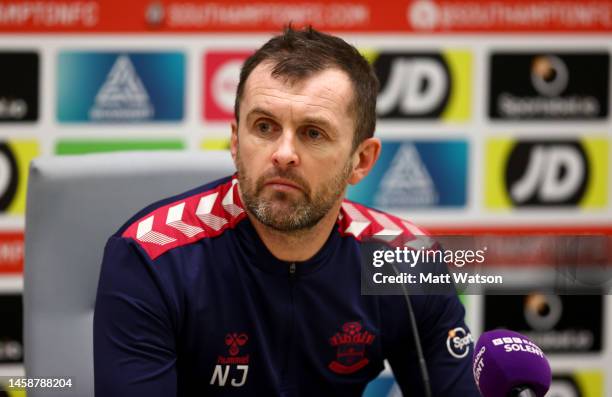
column 250, row 286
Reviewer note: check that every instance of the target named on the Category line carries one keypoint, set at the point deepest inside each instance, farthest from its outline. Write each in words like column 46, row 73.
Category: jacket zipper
column 287, row 385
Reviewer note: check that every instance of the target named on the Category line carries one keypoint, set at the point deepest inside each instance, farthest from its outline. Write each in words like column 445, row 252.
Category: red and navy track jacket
column 190, row 302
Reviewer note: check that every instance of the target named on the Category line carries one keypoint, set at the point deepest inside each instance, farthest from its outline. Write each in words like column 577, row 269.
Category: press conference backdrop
column 475, row 95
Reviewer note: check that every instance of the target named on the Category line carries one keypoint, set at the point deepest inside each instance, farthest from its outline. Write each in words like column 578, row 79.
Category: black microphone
column 417, row 338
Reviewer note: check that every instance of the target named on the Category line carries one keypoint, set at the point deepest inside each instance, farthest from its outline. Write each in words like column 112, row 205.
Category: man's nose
column 285, row 154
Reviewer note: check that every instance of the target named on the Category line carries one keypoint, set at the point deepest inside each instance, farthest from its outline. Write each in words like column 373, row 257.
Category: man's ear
column 234, row 140
column 364, row 158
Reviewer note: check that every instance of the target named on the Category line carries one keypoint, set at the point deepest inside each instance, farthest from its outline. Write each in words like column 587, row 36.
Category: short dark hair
column 298, row 54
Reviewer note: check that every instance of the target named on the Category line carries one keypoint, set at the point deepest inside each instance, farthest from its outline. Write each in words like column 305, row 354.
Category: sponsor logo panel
column 423, row 85
column 215, row 144
column 221, row 76
column 545, row 86
column 546, row 173
column 416, row 174
column 11, row 252
column 556, row 323
column 120, row 87
column 15, row 157
column 76, row 146
column 19, row 77
column 11, row 339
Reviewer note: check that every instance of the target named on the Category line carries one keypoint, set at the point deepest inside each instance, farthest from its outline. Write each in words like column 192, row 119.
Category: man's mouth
column 284, row 185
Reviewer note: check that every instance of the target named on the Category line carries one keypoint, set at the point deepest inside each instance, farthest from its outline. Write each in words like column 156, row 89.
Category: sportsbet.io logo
column 544, row 86
column 549, row 75
column 458, row 342
column 556, row 323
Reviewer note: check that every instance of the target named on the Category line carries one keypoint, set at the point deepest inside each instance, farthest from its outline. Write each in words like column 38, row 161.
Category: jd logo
column 9, row 176
column 547, row 173
column 412, row 86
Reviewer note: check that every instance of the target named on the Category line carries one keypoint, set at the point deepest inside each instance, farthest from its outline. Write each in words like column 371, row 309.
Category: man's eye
column 313, row 134
column 263, row 127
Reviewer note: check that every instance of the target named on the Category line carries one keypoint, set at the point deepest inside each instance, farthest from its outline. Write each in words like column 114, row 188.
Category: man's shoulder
column 203, row 212
column 371, row 225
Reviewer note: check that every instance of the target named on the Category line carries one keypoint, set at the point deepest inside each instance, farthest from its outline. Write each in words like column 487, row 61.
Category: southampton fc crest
column 351, row 345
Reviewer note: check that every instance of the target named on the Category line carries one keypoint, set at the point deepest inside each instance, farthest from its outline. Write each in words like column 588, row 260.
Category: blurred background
column 494, row 116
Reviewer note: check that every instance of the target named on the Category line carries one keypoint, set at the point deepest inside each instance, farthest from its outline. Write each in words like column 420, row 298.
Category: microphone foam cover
column 504, row 360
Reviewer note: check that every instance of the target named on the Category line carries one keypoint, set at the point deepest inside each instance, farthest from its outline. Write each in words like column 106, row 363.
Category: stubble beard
column 285, row 212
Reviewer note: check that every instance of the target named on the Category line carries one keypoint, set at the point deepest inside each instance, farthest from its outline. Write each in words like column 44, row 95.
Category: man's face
column 292, row 146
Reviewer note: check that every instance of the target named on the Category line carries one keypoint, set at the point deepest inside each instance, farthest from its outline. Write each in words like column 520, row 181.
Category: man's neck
column 299, row 245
